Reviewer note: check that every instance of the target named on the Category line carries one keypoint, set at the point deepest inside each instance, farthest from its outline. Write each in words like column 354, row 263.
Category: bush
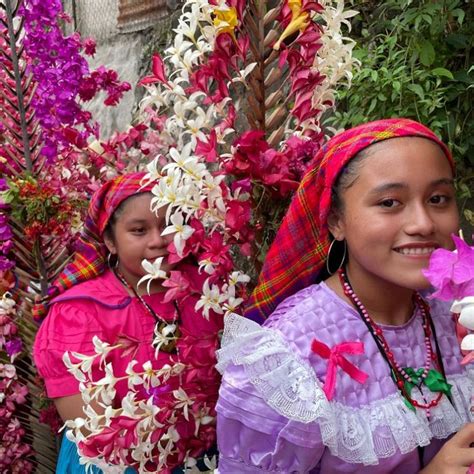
column 416, row 61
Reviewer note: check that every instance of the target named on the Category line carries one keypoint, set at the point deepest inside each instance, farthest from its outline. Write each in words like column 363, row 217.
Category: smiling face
column 400, row 208
column 136, row 235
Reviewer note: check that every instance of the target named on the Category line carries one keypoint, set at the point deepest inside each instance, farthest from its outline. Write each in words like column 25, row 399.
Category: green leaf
column 460, row 14
column 417, row 89
column 427, row 53
column 457, row 40
column 442, row 72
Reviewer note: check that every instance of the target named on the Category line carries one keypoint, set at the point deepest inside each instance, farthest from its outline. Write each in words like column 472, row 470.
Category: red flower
column 158, row 72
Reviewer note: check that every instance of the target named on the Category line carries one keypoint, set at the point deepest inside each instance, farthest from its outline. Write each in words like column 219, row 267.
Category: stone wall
column 127, row 53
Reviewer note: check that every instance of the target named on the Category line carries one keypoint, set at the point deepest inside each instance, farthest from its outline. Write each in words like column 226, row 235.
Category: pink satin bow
column 336, row 358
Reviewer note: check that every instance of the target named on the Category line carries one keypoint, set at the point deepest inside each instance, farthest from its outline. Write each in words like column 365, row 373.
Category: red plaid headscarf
column 299, row 251
column 90, row 256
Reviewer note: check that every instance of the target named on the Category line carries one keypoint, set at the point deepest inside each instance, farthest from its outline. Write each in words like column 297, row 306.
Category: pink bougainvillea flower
column 303, row 108
column 179, row 286
column 208, row 149
column 158, row 72
column 89, row 46
column 13, row 347
column 238, row 214
column 452, row 273
column 244, row 185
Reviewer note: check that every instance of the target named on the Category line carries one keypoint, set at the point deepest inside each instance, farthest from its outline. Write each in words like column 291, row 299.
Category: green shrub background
column 416, row 61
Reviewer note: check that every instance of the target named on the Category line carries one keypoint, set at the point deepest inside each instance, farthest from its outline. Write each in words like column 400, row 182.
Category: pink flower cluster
column 63, row 77
column 279, row 171
column 6, row 235
column 12, row 394
column 452, row 273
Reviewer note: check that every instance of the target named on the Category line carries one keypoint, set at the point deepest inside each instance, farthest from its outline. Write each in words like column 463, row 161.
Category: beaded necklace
column 169, row 330
column 404, row 378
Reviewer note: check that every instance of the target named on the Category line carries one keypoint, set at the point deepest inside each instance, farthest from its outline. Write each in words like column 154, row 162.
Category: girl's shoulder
column 314, row 308
column 104, row 290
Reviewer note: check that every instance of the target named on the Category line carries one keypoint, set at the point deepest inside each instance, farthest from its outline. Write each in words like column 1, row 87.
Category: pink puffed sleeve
column 69, row 326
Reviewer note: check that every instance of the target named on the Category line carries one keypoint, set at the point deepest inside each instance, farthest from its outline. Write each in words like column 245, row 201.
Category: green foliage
column 416, row 61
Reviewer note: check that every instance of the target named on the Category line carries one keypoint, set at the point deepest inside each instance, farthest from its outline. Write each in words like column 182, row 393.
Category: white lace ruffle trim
column 355, row 435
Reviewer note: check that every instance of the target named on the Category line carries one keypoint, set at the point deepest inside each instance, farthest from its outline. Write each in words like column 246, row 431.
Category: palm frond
column 268, row 108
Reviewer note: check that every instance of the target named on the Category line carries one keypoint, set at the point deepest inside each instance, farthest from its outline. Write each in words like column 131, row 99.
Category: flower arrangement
column 213, row 181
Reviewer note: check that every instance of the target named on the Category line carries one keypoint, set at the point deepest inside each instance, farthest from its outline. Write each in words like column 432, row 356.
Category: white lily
column 183, row 401
column 154, row 272
column 181, row 231
column 211, row 298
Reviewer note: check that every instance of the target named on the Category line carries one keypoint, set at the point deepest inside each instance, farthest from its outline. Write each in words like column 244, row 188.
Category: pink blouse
column 103, row 307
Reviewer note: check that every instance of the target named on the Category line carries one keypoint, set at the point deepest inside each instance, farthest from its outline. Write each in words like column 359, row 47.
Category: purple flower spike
column 452, row 273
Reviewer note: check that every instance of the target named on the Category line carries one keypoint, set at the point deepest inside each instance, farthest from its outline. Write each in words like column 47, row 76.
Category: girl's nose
column 420, row 221
column 158, row 240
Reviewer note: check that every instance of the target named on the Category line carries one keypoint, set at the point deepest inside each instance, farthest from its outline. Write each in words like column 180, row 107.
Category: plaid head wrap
column 90, row 256
column 299, row 251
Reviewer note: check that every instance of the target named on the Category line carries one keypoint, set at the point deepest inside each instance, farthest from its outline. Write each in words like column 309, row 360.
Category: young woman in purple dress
column 355, row 368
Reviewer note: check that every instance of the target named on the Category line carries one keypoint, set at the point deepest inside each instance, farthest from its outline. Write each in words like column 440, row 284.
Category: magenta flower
column 13, row 347
column 452, row 273
column 179, row 286
column 5, row 264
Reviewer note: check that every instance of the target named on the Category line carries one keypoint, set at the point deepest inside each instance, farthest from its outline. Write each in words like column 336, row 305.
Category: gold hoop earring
column 109, row 260
column 341, row 263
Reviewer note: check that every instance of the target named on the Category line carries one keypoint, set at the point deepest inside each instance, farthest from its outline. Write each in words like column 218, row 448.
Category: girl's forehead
column 139, row 206
column 135, row 204
column 409, row 159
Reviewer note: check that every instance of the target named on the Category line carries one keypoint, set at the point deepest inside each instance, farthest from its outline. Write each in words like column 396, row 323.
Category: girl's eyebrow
column 391, row 186
column 448, row 181
column 136, row 221
column 388, row 187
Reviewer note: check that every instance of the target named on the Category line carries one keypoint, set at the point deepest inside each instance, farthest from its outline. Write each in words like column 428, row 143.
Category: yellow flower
column 225, row 21
column 299, row 21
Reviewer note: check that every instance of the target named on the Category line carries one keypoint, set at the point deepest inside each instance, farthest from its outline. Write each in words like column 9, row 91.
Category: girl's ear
column 335, row 225
column 109, row 243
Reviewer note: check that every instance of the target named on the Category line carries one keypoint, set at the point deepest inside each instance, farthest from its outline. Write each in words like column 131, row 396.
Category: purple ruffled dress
column 273, row 415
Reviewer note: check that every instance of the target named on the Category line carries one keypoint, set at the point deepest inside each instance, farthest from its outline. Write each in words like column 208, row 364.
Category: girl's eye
column 439, row 199
column 138, row 230
column 389, row 203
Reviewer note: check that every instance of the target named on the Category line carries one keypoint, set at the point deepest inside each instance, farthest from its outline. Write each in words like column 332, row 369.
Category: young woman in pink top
column 97, row 295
